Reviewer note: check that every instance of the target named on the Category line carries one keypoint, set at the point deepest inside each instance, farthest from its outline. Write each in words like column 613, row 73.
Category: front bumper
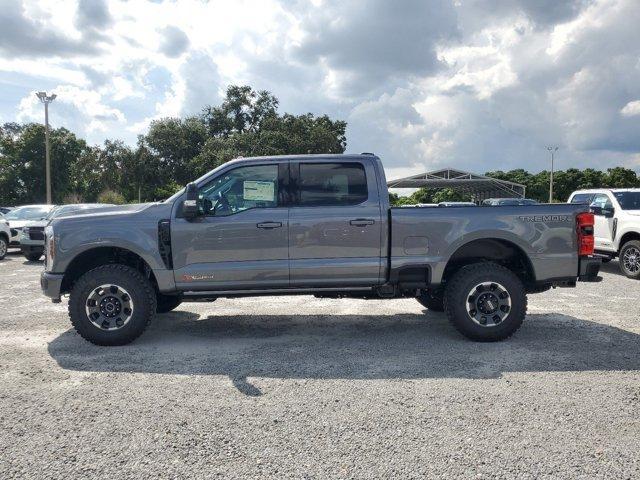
column 589, row 269
column 51, row 284
column 28, row 249
column 28, row 241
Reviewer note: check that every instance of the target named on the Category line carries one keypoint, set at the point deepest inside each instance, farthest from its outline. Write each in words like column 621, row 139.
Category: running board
column 212, row 294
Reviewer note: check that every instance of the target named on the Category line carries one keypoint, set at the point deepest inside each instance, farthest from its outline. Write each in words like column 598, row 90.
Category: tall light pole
column 47, row 99
column 552, row 150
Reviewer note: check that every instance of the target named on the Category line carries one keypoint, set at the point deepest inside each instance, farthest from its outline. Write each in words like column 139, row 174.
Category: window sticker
column 259, row 191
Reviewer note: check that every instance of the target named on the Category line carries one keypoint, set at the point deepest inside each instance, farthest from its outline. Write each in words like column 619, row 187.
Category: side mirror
column 596, row 210
column 190, row 203
column 608, row 212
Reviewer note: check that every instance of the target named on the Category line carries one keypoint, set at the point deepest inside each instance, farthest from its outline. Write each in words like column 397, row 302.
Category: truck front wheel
column 630, row 259
column 112, row 305
column 485, row 302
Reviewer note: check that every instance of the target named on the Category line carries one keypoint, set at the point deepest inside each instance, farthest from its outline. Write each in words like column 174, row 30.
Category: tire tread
column 148, row 293
column 455, row 284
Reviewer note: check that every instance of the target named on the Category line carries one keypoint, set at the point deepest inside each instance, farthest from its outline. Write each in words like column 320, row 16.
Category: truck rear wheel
column 112, row 305
column 630, row 259
column 485, row 302
column 431, row 300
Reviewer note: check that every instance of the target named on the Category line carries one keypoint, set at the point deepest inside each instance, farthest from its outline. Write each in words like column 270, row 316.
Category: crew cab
column 315, row 225
column 617, row 224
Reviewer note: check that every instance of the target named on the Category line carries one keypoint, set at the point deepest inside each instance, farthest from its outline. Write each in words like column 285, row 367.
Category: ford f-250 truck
column 311, row 224
column 616, row 231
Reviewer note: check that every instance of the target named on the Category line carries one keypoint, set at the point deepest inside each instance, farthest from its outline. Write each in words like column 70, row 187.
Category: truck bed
column 431, row 236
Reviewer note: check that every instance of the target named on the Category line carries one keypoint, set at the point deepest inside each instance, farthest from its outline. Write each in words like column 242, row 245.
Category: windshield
column 28, row 213
column 64, row 210
column 628, row 200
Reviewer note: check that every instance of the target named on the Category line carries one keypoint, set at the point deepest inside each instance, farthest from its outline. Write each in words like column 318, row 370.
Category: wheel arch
column 627, row 236
column 498, row 250
column 94, row 257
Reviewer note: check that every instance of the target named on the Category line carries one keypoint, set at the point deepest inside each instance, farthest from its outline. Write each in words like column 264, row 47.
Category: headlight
column 49, row 247
column 25, row 232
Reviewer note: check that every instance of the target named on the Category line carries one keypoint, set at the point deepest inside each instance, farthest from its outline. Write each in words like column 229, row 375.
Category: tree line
column 537, row 184
column 173, row 152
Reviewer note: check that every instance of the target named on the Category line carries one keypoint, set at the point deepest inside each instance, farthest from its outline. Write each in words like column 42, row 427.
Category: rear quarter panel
column 545, row 233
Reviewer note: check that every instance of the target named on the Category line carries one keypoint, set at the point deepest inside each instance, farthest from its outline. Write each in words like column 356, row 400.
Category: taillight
column 584, row 229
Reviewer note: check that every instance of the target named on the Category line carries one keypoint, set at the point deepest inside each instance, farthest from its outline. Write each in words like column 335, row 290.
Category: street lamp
column 47, row 99
column 552, row 150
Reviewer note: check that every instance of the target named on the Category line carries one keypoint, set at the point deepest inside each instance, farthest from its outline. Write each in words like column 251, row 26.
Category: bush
column 71, row 198
column 109, row 196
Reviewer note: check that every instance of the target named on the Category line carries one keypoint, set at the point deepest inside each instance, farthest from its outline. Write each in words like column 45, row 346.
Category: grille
column 36, row 233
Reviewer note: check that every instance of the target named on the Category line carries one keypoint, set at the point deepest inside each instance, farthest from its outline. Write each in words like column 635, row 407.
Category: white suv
column 617, row 224
column 5, row 235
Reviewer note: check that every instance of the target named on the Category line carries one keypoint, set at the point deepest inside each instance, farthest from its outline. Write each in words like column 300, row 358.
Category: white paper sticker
column 259, row 191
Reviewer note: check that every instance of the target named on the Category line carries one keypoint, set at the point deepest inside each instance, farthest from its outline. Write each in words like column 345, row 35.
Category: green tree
column 242, row 110
column 22, row 165
column 174, row 143
column 620, row 177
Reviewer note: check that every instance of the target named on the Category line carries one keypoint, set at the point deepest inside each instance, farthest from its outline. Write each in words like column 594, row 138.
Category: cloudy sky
column 474, row 84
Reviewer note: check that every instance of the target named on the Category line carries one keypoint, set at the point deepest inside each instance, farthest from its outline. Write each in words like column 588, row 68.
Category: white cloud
column 425, row 83
column 631, row 109
column 82, row 111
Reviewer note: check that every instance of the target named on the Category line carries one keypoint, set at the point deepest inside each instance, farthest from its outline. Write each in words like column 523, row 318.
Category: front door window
column 240, row 189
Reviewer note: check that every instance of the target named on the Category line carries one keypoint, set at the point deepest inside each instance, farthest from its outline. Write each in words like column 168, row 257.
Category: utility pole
column 47, row 99
column 552, row 150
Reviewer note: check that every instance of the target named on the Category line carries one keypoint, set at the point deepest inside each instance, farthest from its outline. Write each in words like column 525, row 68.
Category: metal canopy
column 479, row 187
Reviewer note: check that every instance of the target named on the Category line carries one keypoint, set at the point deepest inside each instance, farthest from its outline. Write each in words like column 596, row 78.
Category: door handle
column 268, row 225
column 362, row 222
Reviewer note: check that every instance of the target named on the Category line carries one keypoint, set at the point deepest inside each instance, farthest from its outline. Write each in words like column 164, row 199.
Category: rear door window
column 332, row 184
column 582, row 198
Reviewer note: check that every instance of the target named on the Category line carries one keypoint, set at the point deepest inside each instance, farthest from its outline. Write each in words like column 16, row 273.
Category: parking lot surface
column 299, row 387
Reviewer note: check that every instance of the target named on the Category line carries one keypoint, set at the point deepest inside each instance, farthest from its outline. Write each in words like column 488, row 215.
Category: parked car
column 509, row 201
column 316, row 225
column 32, row 235
column 4, row 210
column 423, row 205
column 20, row 216
column 5, row 235
column 617, row 224
column 456, row 204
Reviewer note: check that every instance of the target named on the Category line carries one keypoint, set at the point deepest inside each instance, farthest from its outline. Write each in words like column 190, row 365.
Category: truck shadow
column 406, row 346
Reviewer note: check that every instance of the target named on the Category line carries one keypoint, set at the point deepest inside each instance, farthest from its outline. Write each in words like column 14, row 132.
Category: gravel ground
column 299, row 387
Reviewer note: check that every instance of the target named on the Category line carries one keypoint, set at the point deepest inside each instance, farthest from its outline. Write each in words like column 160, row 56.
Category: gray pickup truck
column 315, row 225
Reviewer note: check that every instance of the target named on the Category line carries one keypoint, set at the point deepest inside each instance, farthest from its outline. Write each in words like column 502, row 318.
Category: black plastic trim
column 164, row 243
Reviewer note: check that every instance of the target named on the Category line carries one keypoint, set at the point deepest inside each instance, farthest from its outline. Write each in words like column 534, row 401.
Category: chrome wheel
column 488, row 304
column 631, row 260
column 109, row 307
column 3, row 247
